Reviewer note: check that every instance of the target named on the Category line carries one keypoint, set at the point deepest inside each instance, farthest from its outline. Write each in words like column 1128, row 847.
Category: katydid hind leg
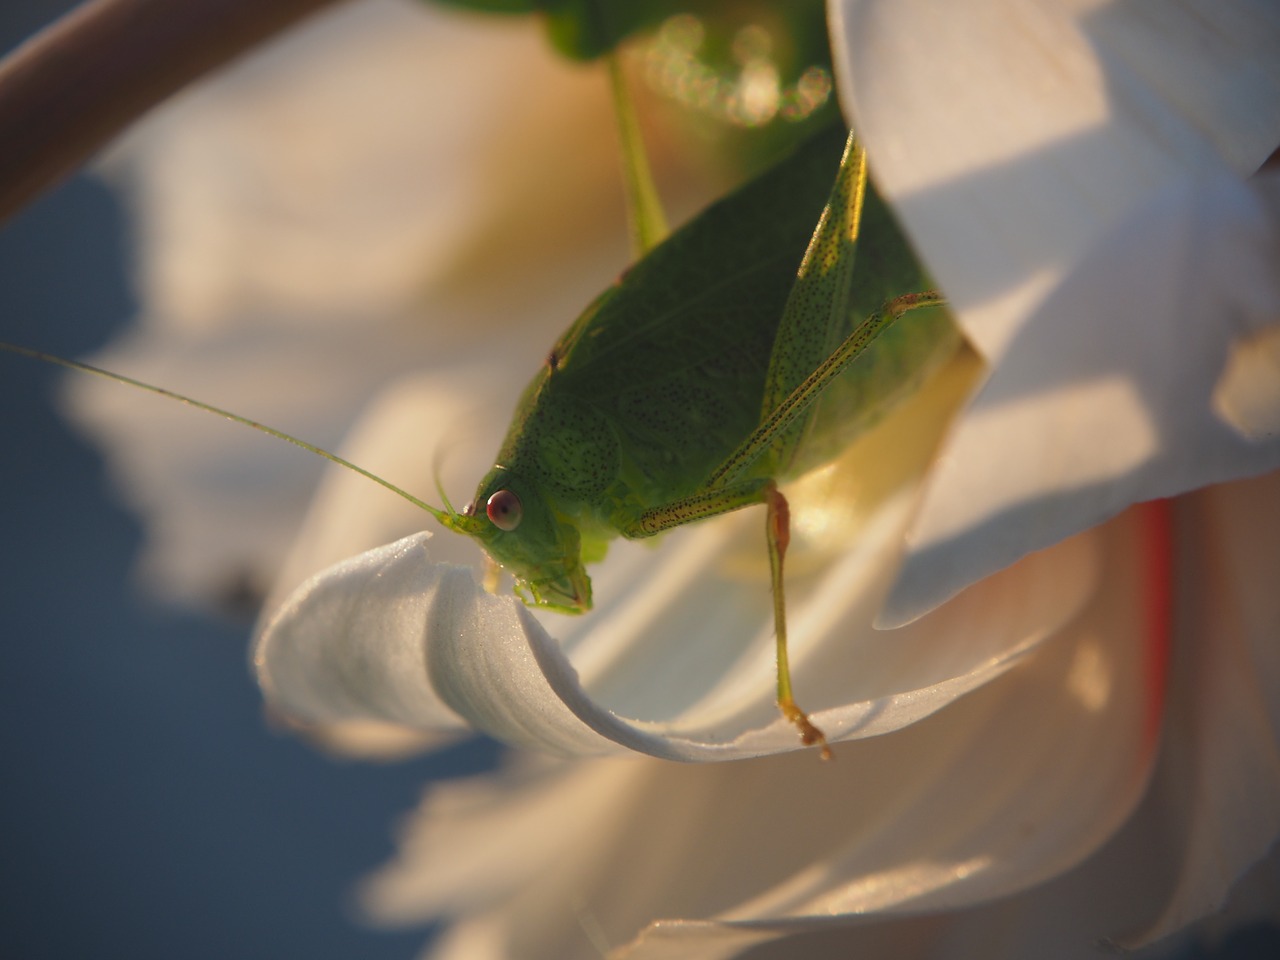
column 778, row 534
column 699, row 506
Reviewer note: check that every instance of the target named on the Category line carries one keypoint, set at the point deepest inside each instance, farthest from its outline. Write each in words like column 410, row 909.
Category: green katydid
column 666, row 404
column 708, row 374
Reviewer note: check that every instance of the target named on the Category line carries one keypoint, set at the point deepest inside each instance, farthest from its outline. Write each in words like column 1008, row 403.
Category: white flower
column 1073, row 174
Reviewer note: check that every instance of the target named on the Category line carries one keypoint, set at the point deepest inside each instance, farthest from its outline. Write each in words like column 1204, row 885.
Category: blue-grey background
column 146, row 810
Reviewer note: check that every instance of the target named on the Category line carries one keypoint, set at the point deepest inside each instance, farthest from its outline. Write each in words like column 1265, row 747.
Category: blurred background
column 147, row 810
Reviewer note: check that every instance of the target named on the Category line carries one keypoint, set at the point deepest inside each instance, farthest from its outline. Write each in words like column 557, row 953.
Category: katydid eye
column 504, row 510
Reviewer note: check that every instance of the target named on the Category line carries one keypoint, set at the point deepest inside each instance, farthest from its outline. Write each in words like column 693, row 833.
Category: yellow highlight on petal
column 1247, row 397
column 830, row 504
column 1089, row 679
column 903, row 884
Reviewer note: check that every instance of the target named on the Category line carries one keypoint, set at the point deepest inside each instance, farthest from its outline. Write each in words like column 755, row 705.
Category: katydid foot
column 810, row 735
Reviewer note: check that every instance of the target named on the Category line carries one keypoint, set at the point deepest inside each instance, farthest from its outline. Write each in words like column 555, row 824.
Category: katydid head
column 523, row 533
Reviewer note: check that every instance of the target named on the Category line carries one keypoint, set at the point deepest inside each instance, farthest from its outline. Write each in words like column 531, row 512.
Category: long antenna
column 440, row 515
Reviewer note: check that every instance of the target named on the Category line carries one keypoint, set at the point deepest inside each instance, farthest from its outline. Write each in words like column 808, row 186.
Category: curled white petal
column 348, row 645
column 389, row 636
column 914, row 821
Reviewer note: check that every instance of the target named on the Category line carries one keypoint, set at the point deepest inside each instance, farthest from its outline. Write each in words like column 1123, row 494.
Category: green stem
column 75, row 85
column 644, row 209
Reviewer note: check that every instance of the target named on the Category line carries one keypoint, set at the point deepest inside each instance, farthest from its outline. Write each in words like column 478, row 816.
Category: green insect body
column 717, row 367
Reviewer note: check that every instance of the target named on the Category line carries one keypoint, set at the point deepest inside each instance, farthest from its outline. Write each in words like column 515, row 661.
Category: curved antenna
column 441, row 515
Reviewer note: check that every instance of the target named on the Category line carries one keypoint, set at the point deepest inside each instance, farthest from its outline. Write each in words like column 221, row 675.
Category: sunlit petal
column 1123, row 410
column 1067, row 171
column 1012, row 136
column 337, row 651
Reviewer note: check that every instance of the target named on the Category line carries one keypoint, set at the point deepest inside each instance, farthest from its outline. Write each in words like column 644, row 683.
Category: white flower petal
column 1122, row 410
column 1248, row 395
column 1066, row 170
column 348, row 645
column 1036, row 128
column 1059, row 920
column 681, row 939
column 389, row 636
column 916, row 820
column 1222, row 774
column 311, row 183
column 499, row 845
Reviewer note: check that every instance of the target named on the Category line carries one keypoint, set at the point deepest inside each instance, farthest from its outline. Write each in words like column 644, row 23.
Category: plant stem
column 644, row 209
column 74, row 86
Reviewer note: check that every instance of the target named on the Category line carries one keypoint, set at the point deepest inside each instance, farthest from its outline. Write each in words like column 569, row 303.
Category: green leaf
column 493, row 6
column 588, row 29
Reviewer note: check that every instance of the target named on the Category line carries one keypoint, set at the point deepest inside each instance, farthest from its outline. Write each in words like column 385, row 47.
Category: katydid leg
column 699, row 506
column 778, row 534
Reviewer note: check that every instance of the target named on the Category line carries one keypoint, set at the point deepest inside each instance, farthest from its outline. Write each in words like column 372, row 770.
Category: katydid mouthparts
column 743, row 351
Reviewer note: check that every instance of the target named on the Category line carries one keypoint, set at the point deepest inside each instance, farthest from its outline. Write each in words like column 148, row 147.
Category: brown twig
column 72, row 87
